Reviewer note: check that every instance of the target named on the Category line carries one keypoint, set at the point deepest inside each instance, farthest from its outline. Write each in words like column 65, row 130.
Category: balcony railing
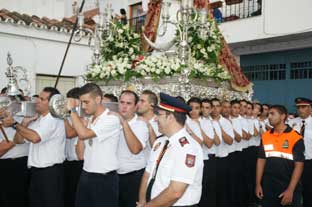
column 244, row 9
column 241, row 9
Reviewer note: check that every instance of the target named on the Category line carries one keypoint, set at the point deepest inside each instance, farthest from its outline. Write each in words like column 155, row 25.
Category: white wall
column 41, row 52
column 279, row 17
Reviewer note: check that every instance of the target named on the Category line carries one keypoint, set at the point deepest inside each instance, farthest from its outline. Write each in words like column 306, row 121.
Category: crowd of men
column 200, row 152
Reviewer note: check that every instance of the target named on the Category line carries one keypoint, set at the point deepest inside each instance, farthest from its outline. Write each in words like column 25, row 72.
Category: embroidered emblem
column 183, row 141
column 157, row 146
column 285, row 144
column 190, row 160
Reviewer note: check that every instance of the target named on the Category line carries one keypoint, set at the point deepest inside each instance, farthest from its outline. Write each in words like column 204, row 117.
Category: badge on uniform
column 183, row 141
column 90, row 142
column 156, row 146
column 190, row 160
column 285, row 144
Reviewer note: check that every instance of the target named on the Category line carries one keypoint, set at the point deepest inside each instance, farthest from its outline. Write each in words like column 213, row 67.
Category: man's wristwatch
column 14, row 125
column 73, row 110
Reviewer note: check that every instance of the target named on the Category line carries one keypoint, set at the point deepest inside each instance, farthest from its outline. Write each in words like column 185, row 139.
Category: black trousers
column 307, row 183
column 14, row 176
column 72, row 172
column 129, row 186
column 276, row 202
column 250, row 158
column 47, row 186
column 236, row 188
column 97, row 190
column 222, row 182
column 209, row 184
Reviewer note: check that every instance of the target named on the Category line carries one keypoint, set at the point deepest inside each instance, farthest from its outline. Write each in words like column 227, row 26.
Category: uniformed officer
column 14, row 171
column 193, row 120
column 46, row 136
column 173, row 176
column 303, row 125
column 98, row 184
column 133, row 140
column 280, row 163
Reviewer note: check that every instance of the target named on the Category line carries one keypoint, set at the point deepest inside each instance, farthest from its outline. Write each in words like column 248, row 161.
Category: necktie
column 302, row 128
column 151, row 183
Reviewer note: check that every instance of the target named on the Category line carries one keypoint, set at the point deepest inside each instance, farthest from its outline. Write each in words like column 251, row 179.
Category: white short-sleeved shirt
column 182, row 162
column 148, row 147
column 195, row 127
column 70, row 147
column 100, row 155
column 51, row 149
column 296, row 124
column 223, row 149
column 254, row 140
column 207, row 127
column 129, row 162
column 245, row 127
column 19, row 150
column 237, row 126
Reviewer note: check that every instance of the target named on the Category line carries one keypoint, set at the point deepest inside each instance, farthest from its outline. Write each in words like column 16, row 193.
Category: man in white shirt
column 145, row 109
column 133, row 140
column 225, row 131
column 98, row 184
column 74, row 160
column 303, row 125
column 14, row 173
column 236, row 158
column 174, row 173
column 46, row 136
column 210, row 142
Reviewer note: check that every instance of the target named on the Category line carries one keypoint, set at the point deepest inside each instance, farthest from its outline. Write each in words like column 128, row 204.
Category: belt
column 15, row 158
column 132, row 173
column 195, row 205
column 210, row 156
column 106, row 174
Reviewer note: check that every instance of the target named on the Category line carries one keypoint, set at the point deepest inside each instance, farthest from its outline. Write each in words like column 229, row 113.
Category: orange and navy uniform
column 281, row 151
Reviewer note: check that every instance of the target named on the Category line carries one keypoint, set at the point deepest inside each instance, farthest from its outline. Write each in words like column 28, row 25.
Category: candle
column 190, row 4
column 184, row 4
column 203, row 16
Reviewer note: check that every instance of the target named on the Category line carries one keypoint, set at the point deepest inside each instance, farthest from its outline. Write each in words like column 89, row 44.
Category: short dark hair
column 215, row 99
column 51, row 90
column 73, row 93
column 111, row 97
column 194, row 100
column 136, row 97
column 35, row 96
column 4, row 90
column 243, row 100
column 268, row 105
column 206, row 100
column 152, row 97
column 91, row 88
column 234, row 102
column 281, row 109
column 180, row 117
column 123, row 11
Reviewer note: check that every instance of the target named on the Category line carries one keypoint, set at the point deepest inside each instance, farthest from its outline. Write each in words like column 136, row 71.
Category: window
column 301, row 70
column 265, row 72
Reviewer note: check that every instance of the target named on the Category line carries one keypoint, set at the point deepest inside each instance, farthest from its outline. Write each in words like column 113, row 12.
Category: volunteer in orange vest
column 280, row 163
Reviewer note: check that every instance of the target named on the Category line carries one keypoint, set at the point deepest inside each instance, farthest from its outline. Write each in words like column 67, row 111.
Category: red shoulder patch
column 190, row 160
column 183, row 141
